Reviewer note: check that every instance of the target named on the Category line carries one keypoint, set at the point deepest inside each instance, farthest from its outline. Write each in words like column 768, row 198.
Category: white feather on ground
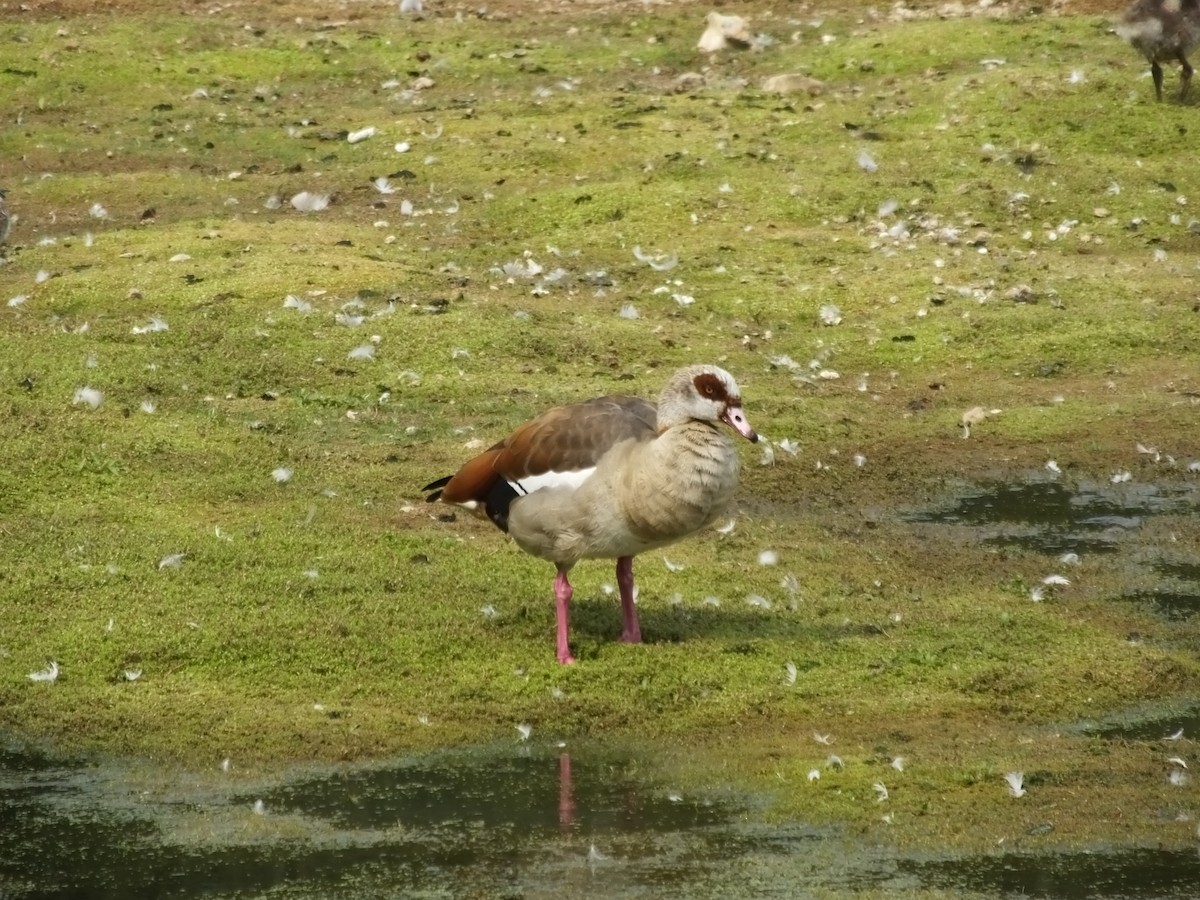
column 1015, row 780
column 88, row 396
column 307, row 201
column 48, row 674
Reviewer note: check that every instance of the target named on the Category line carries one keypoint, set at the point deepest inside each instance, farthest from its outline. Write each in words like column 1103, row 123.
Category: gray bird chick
column 1163, row 30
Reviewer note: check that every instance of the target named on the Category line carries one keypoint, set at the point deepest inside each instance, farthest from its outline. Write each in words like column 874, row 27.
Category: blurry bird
column 610, row 478
column 723, row 32
column 1163, row 30
column 5, row 218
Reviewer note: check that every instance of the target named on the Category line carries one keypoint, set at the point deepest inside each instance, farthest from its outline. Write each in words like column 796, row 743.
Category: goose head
column 706, row 394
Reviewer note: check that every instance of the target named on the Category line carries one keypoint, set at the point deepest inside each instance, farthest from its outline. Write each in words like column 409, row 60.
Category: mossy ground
column 1047, row 269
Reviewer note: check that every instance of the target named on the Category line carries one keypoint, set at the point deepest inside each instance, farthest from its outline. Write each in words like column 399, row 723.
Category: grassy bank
column 1001, row 213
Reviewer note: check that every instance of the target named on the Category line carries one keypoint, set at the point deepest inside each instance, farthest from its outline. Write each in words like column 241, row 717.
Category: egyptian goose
column 610, row 478
column 1163, row 30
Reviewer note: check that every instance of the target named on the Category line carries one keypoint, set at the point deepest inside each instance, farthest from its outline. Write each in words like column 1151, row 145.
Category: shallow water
column 509, row 822
column 1085, row 518
column 1050, row 516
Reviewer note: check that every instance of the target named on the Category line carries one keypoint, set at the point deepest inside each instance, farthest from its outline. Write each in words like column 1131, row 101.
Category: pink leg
column 566, row 796
column 631, row 633
column 562, row 598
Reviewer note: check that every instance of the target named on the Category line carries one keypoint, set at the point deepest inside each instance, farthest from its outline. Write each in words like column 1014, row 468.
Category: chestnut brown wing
column 563, row 439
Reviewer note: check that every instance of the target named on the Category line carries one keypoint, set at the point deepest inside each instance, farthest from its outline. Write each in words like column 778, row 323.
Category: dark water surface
column 1051, row 516
column 491, row 823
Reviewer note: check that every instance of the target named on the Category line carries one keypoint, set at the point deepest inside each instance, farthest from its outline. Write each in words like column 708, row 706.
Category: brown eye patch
column 710, row 386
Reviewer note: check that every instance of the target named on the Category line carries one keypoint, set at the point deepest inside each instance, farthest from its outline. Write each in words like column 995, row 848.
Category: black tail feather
column 496, row 504
column 436, row 487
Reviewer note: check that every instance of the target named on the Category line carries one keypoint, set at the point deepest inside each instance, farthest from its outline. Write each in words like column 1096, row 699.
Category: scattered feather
column 307, row 201
column 1069, row 559
column 768, row 558
column 489, row 611
column 595, row 856
column 1174, row 736
column 822, row 738
column 365, row 352
column 831, row 315
column 789, row 677
column 898, row 763
column 133, row 674
column 97, row 211
column 629, row 311
column 525, row 731
column 1015, row 780
column 1056, row 580
column 155, row 324
column 1178, row 777
column 17, row 301
column 659, row 263
column 881, row 790
column 402, row 147
column 226, row 764
column 88, row 396
column 172, row 561
column 727, row 528
column 833, row 761
column 758, row 601
column 1121, row 477
column 866, row 162
column 260, row 808
column 291, row 301
column 362, row 134
column 672, row 566
column 1037, row 593
column 814, row 775
column 1052, row 466
column 282, row 475
column 384, row 185
column 49, row 674
column 788, row 446
column 1179, row 761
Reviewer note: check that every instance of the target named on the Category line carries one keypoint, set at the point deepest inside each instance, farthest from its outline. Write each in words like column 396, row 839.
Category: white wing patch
column 552, row 480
